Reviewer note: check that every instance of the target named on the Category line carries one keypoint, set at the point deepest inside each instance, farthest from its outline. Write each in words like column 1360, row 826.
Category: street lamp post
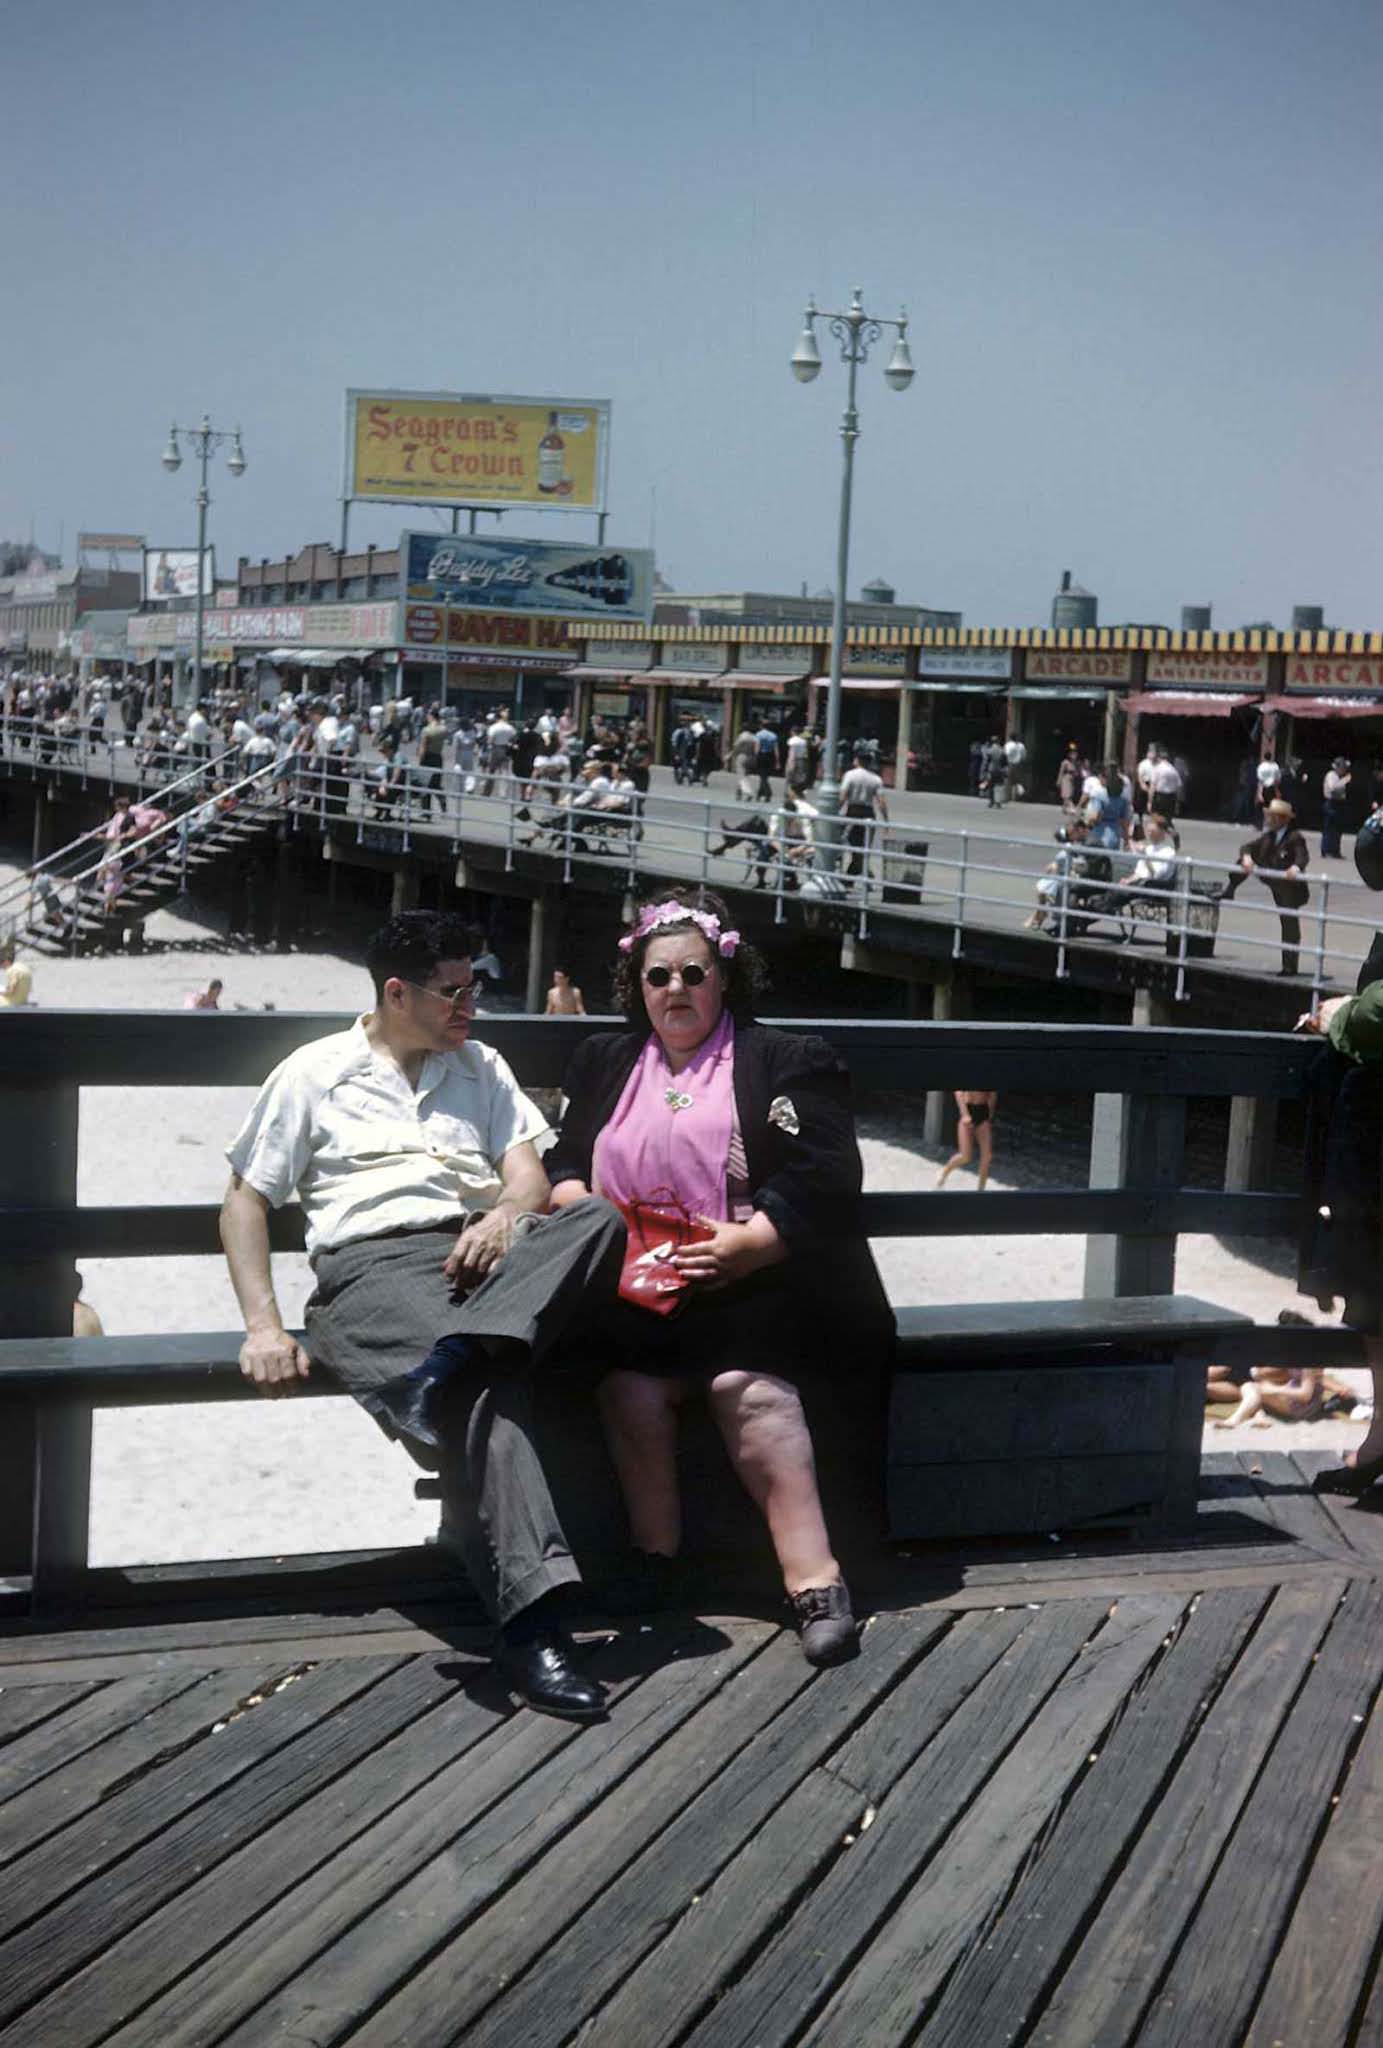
column 202, row 440
column 856, row 331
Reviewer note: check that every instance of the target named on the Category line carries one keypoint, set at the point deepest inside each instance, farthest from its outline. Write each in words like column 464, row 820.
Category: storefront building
column 40, row 612
column 264, row 648
column 1065, row 694
column 1330, row 706
column 1205, row 710
column 476, row 662
column 960, row 700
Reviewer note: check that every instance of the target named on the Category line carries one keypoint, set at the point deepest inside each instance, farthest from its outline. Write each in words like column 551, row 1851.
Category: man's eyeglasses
column 690, row 976
column 460, row 995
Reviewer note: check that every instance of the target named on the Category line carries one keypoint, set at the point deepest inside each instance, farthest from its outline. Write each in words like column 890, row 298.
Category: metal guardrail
column 982, row 882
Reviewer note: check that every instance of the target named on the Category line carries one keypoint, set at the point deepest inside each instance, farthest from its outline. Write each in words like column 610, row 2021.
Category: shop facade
column 1067, row 694
column 960, row 700
column 1330, row 707
column 1205, row 709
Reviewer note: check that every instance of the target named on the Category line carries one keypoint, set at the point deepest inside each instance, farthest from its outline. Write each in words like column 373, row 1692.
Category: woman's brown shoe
column 825, row 1623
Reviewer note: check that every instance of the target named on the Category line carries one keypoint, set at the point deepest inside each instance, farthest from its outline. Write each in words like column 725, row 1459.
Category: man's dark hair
column 413, row 945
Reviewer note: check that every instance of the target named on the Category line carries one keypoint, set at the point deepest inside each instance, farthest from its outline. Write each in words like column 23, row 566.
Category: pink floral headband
column 654, row 916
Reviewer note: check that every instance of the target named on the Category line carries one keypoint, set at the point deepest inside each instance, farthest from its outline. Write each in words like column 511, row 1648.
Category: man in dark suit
column 1277, row 856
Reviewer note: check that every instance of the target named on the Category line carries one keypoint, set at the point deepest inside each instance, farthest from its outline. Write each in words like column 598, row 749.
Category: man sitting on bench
column 440, row 1279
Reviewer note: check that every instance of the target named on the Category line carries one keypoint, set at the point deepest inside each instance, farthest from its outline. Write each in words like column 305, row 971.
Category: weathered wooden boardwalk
column 1069, row 1794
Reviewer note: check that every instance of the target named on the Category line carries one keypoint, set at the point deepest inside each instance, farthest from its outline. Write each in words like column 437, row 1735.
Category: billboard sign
column 994, row 664
column 1212, row 671
column 491, row 574
column 171, row 573
column 111, row 543
column 449, row 448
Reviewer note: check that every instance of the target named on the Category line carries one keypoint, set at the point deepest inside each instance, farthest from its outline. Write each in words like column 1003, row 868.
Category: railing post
column 706, row 842
column 567, row 839
column 38, row 1168
column 1063, row 905
column 509, row 832
column 1183, row 903
column 1322, row 919
column 958, row 933
column 1135, row 1140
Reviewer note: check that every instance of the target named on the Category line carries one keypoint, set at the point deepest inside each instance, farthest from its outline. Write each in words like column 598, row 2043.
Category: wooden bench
column 1015, row 1417
column 1092, row 1401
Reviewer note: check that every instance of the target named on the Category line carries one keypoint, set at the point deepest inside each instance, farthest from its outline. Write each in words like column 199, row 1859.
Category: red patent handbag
column 657, row 1228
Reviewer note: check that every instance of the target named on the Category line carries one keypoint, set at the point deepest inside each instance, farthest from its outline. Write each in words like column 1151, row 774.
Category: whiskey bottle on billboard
column 604, row 579
column 552, row 459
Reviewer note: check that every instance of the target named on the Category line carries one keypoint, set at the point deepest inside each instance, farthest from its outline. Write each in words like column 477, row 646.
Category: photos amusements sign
column 452, row 448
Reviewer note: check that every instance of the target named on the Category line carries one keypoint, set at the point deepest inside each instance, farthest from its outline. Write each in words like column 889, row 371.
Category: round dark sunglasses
column 691, row 976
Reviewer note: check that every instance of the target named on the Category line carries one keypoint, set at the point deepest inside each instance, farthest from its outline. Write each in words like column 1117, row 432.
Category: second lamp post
column 856, row 331
column 202, row 440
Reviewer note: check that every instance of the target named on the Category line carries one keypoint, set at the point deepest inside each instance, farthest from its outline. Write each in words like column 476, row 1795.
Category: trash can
column 905, row 871
column 1200, row 910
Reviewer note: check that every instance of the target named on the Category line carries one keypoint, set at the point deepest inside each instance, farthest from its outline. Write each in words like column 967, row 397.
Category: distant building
column 874, row 607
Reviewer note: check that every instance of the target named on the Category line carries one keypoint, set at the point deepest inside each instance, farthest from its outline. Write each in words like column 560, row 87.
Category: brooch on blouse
column 676, row 1099
column 783, row 1112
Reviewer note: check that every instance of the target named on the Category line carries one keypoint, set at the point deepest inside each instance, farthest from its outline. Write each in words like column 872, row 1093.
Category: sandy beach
column 242, row 1480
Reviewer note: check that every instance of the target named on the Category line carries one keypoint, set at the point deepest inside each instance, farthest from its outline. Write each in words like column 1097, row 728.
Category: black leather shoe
column 825, row 1624
column 540, row 1672
column 1353, row 1481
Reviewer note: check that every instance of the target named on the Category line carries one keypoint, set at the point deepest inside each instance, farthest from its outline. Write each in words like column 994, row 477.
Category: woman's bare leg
column 770, row 1447
column 639, row 1414
column 986, row 1144
column 964, row 1153
column 1372, row 1446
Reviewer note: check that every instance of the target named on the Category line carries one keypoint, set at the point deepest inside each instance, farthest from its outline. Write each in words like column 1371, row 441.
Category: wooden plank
column 62, row 1501
column 207, row 1635
column 145, row 1809
column 891, row 1983
column 1219, row 1970
column 600, row 1948
column 996, row 1989
column 1327, row 1955
column 23, row 1707
column 1153, row 1319
column 1037, row 1494
column 132, row 1970
column 66, row 1739
column 703, row 1950
column 1136, row 1138
column 73, row 1788
column 980, row 1703
column 1359, row 1524
column 151, row 1048
column 1012, row 1413
column 1289, row 1500
column 678, row 1979
column 508, row 1787
column 1143, row 1917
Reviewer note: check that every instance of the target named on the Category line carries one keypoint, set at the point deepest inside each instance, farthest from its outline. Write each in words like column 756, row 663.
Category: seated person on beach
column 440, row 1280
column 698, row 1110
column 1281, row 1393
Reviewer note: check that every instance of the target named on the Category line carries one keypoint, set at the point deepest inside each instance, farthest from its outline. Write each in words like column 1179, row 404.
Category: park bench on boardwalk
column 1004, row 1418
column 287, row 1799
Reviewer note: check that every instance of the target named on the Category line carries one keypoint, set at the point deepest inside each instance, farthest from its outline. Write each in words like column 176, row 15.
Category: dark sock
column 537, row 1619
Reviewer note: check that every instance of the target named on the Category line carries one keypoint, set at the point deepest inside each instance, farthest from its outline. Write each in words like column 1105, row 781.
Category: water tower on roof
column 1195, row 618
column 1074, row 608
column 1308, row 618
column 879, row 592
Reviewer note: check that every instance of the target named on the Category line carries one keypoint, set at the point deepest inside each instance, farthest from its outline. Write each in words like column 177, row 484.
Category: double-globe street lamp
column 201, row 440
column 856, row 331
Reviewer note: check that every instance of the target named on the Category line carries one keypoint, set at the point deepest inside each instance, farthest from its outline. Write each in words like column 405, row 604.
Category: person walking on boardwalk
column 1334, row 796
column 1277, row 857
column 974, row 1127
column 441, row 1281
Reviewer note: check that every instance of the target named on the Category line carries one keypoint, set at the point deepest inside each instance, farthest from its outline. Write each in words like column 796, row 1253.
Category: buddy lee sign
column 445, row 448
column 528, row 576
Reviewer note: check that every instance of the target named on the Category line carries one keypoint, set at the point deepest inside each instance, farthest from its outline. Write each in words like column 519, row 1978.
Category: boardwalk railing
column 960, row 879
column 1131, row 1212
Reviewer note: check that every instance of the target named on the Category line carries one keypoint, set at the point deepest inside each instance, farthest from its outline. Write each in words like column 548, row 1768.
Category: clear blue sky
column 1141, row 248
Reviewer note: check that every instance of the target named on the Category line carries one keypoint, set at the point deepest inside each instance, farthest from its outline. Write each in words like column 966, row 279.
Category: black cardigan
column 806, row 1181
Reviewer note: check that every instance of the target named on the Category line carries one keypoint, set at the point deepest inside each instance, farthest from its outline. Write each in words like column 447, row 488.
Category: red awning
column 1185, row 704
column 1327, row 707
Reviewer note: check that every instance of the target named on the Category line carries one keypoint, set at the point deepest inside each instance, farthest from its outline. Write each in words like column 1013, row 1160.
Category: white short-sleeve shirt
column 337, row 1123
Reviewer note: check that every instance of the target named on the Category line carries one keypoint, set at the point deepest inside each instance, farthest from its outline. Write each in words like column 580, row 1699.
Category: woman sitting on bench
column 696, row 1111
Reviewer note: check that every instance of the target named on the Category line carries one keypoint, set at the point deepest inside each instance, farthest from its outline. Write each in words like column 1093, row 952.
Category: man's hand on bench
column 274, row 1361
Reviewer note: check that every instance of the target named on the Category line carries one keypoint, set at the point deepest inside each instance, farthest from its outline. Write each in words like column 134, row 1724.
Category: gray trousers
column 380, row 1306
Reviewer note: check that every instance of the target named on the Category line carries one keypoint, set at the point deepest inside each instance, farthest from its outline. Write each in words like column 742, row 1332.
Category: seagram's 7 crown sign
column 488, row 573
column 450, row 448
